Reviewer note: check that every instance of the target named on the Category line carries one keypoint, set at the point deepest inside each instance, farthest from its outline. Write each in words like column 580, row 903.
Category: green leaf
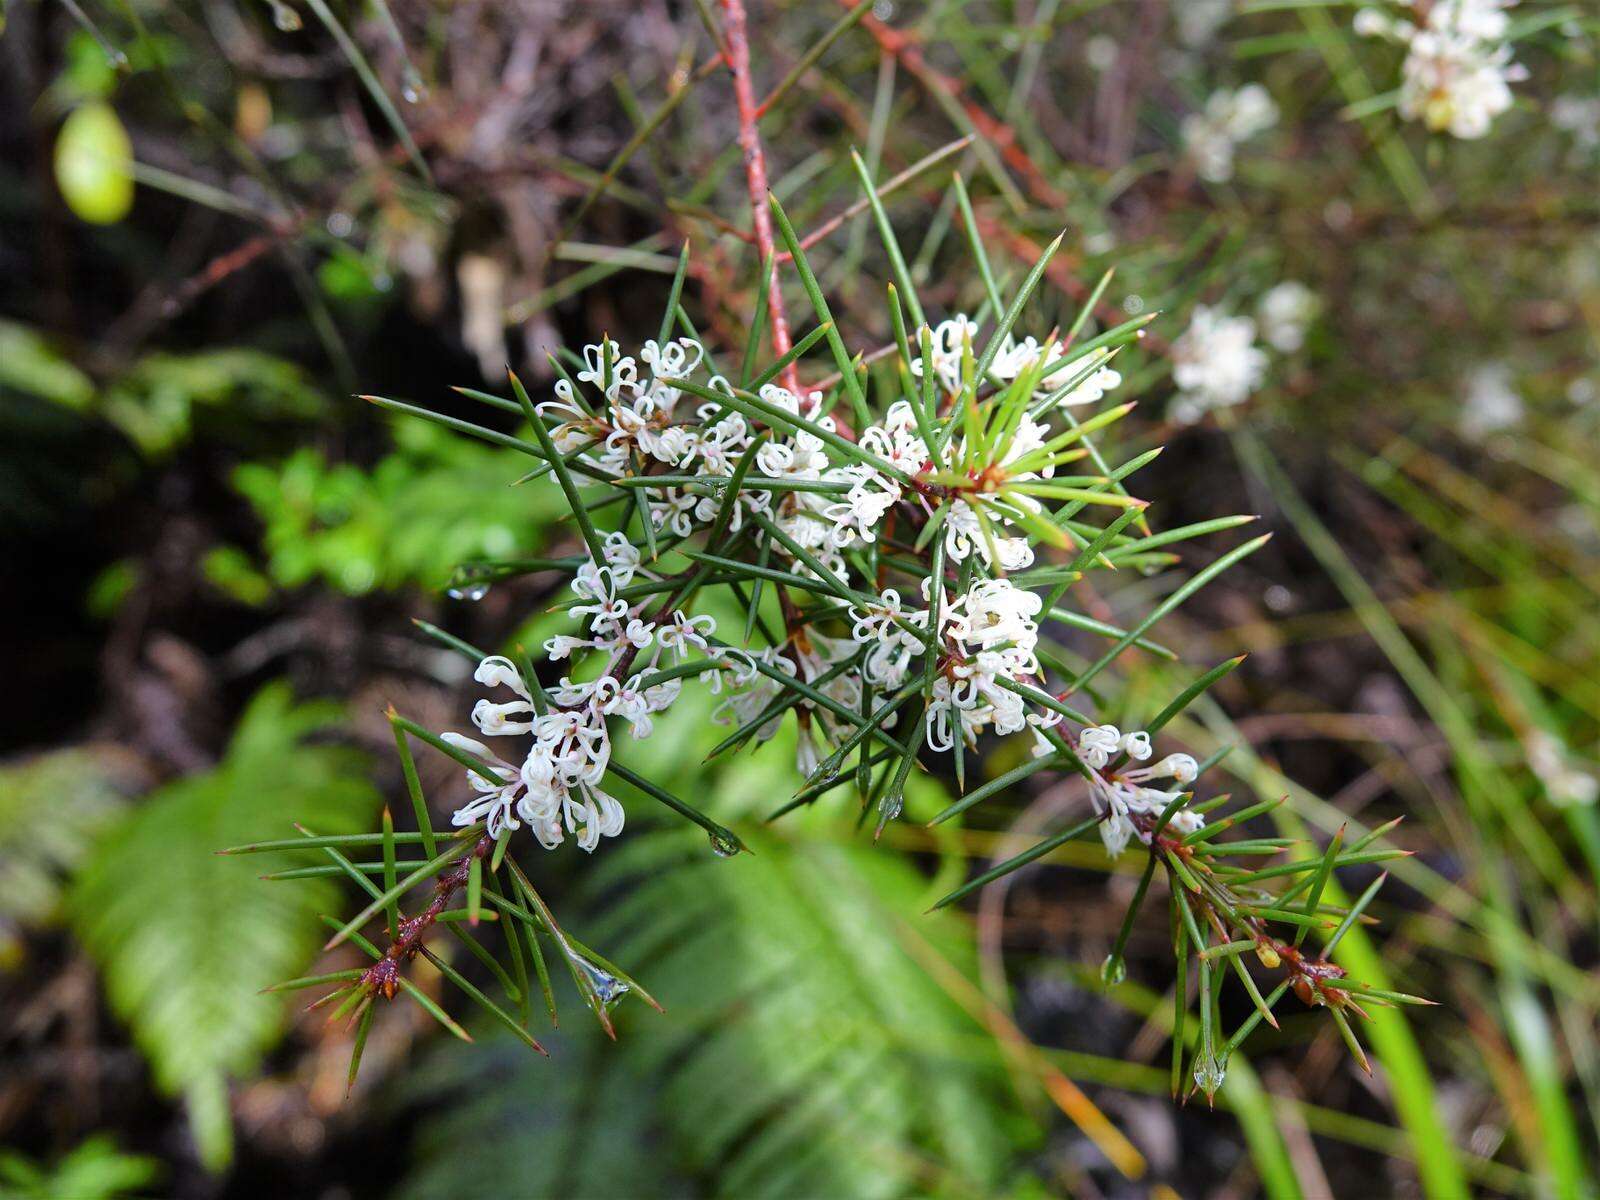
column 186, row 938
column 857, row 1073
column 841, row 356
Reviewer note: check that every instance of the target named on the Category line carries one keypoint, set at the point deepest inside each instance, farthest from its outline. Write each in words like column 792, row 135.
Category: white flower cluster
column 1458, row 70
column 1285, row 312
column 898, row 441
column 986, row 636
column 1216, row 363
column 951, row 340
column 1120, row 792
column 811, row 658
column 818, row 511
column 639, row 423
column 1212, row 135
column 556, row 790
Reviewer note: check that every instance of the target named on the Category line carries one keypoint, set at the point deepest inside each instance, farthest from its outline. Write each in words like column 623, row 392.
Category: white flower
column 1564, row 783
column 950, row 339
column 1285, row 311
column 987, row 637
column 963, row 534
column 1372, row 22
column 1229, row 118
column 1490, row 404
column 513, row 717
column 1097, row 379
column 1457, row 72
column 1485, row 20
column 494, row 804
column 1121, row 794
column 1098, row 743
column 1100, row 52
column 1216, row 363
column 1456, row 83
column 678, row 632
column 1199, row 20
column 754, row 693
column 999, row 612
column 1580, row 117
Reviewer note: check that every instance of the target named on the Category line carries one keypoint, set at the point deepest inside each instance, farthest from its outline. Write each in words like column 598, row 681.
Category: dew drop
column 607, row 987
column 890, row 808
column 412, row 89
column 468, row 583
column 284, row 17
column 1209, row 1074
column 1114, row 970
column 724, row 845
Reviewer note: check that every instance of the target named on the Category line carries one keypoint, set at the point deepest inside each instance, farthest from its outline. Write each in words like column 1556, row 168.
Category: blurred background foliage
column 220, row 220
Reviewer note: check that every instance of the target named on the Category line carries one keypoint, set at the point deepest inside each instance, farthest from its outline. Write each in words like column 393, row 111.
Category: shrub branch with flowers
column 899, row 543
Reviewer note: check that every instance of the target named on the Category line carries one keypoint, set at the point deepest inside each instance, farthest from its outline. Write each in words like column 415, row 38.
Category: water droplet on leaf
column 1209, row 1074
column 724, row 845
column 608, row 989
column 468, row 583
column 1114, row 970
column 285, row 18
column 412, row 89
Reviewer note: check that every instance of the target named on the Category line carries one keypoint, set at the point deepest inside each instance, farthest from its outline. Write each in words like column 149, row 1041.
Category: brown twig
column 995, row 131
column 384, row 975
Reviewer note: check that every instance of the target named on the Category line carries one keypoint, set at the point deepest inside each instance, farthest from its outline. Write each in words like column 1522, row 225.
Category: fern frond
column 187, row 938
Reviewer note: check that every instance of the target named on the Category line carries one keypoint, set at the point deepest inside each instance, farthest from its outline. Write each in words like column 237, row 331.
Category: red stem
column 384, row 975
column 755, row 170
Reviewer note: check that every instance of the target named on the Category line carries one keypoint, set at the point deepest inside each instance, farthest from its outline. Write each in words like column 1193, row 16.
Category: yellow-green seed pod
column 94, row 161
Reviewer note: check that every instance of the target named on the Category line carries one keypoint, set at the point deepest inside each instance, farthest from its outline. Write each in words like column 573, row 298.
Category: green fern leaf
column 805, row 1052
column 187, row 938
column 79, row 789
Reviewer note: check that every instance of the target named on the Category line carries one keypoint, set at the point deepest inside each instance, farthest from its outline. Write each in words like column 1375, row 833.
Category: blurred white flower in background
column 1457, row 72
column 1100, row 52
column 1216, row 363
column 1212, row 135
column 1285, row 312
column 1199, row 20
column 1490, row 404
column 1564, row 783
column 1580, row 117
